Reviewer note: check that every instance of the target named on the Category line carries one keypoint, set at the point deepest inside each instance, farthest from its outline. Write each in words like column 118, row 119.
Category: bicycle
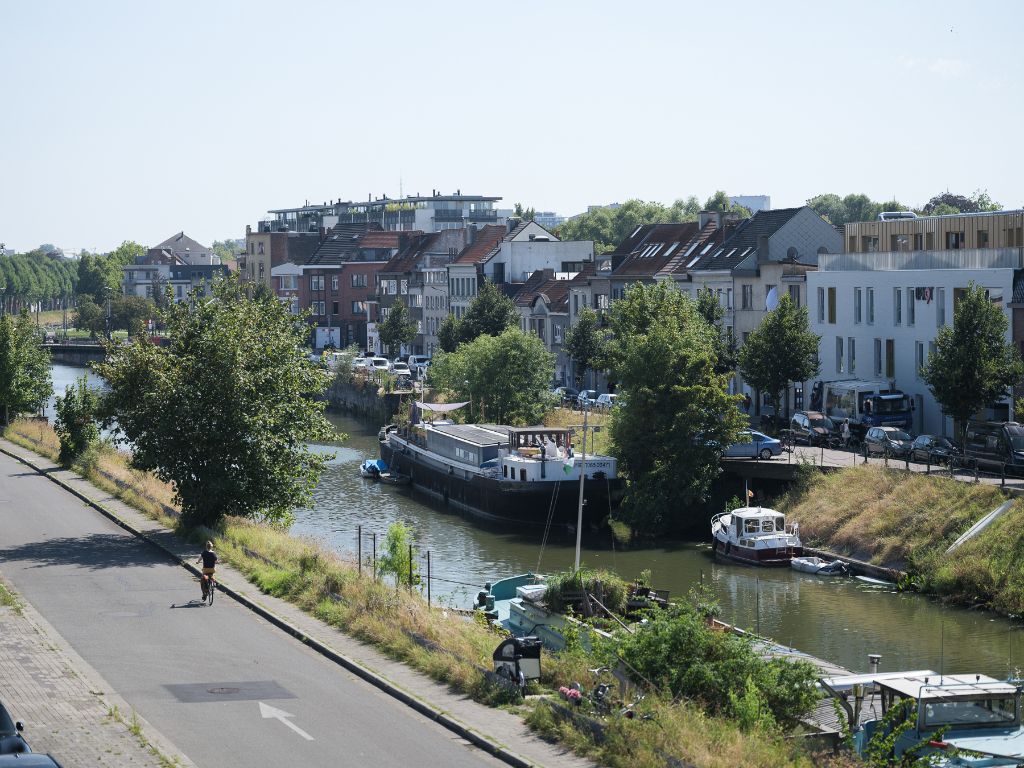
column 208, row 582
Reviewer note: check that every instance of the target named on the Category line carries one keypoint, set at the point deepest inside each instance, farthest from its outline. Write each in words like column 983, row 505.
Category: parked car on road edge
column 933, row 449
column 586, row 397
column 605, row 402
column 760, row 445
column 887, row 441
column 811, row 427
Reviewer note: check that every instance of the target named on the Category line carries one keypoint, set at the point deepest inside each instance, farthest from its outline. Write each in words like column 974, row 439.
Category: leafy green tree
column 720, row 202
column 75, row 424
column 973, row 363
column 228, row 250
column 130, row 313
column 394, row 559
column 585, row 344
column 449, row 333
column 949, row 203
column 780, row 350
column 98, row 277
column 398, row 327
column 226, row 411
column 608, row 227
column 505, row 377
column 89, row 316
column 491, row 313
column 126, row 253
column 526, row 214
column 24, row 368
column 725, row 344
column 676, row 414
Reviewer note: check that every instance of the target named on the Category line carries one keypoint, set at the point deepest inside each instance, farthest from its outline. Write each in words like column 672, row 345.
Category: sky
column 136, row 120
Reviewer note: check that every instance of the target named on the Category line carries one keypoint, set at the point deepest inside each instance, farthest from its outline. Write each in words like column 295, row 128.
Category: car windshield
column 821, row 421
column 895, row 405
column 897, row 435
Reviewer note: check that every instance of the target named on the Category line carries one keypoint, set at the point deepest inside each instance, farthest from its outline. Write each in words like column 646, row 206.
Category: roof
column 543, row 284
column 486, row 243
column 341, row 244
column 180, row 243
column 407, row 258
column 756, row 512
column 386, row 239
column 948, row 686
column 650, row 247
column 472, row 433
column 743, row 241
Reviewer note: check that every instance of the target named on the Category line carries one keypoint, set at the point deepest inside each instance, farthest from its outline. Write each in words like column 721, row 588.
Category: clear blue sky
column 134, row 120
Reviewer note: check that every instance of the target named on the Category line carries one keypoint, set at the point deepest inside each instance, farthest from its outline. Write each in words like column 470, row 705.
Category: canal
column 838, row 619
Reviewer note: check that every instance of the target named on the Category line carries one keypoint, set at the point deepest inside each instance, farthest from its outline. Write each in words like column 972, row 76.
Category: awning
column 441, row 407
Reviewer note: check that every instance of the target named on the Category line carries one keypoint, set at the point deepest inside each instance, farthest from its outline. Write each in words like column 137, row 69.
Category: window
column 918, row 358
column 316, row 282
column 358, row 308
column 290, row 283
column 940, row 307
column 954, row 241
column 899, row 242
column 832, row 305
column 868, row 244
column 821, row 305
column 392, row 287
column 334, row 283
column 260, row 248
column 851, row 355
column 929, row 241
column 794, row 295
column 878, row 357
column 293, row 305
column 897, row 306
column 768, row 289
column 857, row 297
column 919, row 242
column 575, row 303
column 262, row 271
column 840, row 368
column 404, row 287
column 728, row 298
column 358, row 281
column 602, row 300
column 317, row 307
column 852, row 247
column 911, row 307
column 747, row 298
column 556, row 330
column 334, row 307
column 983, row 238
column 871, row 306
column 890, row 358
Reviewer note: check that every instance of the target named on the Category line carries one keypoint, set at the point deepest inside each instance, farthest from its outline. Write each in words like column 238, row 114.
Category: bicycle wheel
column 210, row 590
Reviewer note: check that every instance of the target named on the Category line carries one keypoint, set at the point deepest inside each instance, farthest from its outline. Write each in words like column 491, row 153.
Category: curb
column 385, row 685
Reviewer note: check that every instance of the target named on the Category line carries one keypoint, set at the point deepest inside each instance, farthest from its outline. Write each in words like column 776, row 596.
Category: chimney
column 471, row 234
column 512, row 223
column 248, row 230
column 706, row 216
column 762, row 248
column 323, row 234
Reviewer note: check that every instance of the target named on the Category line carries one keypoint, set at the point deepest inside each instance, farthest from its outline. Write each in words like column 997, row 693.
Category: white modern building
column 878, row 312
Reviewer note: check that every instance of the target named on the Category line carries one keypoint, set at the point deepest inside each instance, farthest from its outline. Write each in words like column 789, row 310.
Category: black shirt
column 209, row 559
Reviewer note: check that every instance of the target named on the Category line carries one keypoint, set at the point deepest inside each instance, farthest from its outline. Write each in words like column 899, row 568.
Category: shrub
column 76, row 421
column 612, row 590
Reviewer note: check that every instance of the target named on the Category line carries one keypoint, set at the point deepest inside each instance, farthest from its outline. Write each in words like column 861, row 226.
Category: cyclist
column 209, row 560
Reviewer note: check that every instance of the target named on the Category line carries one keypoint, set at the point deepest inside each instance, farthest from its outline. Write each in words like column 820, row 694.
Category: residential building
column 179, row 262
column 543, row 306
column 879, row 305
column 548, row 219
column 265, row 250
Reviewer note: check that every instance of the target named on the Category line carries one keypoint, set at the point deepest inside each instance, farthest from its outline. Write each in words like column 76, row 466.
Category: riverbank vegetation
column 730, row 716
column 907, row 521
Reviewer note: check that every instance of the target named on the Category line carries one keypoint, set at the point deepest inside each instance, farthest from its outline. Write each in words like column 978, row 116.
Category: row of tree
column 37, row 278
column 858, row 207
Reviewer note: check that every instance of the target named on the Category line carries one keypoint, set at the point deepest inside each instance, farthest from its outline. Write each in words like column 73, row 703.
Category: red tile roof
column 487, row 240
column 386, row 239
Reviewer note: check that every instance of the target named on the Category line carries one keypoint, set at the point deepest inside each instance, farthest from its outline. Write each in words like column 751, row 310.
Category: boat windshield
column 770, row 525
column 999, row 710
column 764, row 525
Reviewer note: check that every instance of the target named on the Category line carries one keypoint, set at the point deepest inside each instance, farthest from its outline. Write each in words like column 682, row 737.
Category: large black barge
column 520, row 475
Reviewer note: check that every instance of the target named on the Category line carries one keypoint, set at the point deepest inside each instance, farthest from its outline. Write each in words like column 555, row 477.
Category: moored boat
column 818, row 566
column 373, row 468
column 755, row 536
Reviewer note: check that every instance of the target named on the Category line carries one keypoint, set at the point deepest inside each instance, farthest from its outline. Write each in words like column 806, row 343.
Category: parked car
column 361, row 364
column 998, row 445
column 566, row 395
column 379, row 364
column 887, row 441
column 759, row 445
column 811, row 427
column 605, row 402
column 586, row 398
column 11, row 740
column 415, row 360
column 401, row 369
column 933, row 449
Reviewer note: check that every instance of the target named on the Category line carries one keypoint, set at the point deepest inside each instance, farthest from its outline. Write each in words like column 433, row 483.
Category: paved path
column 199, row 674
column 65, row 705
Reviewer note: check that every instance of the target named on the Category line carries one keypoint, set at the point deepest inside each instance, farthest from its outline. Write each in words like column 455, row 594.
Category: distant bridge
column 80, row 354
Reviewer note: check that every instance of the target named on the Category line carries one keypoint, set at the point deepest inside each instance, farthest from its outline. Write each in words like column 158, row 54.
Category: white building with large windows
column 878, row 312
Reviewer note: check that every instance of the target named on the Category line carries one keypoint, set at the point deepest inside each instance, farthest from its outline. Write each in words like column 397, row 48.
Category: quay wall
column 364, row 401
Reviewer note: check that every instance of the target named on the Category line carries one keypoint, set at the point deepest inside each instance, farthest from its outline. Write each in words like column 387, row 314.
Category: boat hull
column 764, row 556
column 507, row 501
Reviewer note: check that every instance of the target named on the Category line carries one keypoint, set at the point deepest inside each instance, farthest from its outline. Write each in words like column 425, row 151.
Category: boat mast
column 583, row 474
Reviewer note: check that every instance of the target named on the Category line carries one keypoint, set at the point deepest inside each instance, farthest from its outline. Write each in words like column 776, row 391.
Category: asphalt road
column 221, row 684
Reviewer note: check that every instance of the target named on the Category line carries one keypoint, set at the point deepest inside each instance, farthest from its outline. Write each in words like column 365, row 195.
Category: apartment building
column 879, row 305
column 179, row 263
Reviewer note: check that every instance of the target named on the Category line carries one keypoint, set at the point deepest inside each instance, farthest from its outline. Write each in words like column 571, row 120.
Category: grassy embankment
column 438, row 642
column 907, row 520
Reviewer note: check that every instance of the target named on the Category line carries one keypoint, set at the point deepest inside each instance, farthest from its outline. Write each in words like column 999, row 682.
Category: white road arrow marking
column 267, row 711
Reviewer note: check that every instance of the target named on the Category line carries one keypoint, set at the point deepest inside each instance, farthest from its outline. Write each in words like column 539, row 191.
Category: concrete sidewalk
column 499, row 732
column 65, row 705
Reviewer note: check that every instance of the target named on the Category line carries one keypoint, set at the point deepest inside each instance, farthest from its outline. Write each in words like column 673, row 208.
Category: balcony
column 967, row 258
column 447, row 214
column 485, row 216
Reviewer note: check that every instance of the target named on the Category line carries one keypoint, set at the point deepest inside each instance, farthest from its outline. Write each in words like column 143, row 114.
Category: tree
column 448, row 333
column 228, row 250
column 780, row 350
column 491, row 313
column 24, row 368
column 720, row 202
column 398, row 327
column 973, row 363
column 608, row 227
column 89, row 316
column 126, row 253
column 130, row 313
column 75, row 424
column 394, row 557
column 675, row 414
column 725, row 344
column 948, row 203
column 526, row 214
column 505, row 377
column 585, row 344
column 226, row 411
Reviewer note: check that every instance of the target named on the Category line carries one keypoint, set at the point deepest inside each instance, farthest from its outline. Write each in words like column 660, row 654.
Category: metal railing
column 965, row 258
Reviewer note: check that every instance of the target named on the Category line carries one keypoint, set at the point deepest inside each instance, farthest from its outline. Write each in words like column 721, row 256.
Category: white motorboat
column 818, row 566
column 755, row 536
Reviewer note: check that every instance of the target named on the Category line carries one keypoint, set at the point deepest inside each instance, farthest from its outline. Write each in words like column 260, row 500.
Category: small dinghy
column 818, row 566
column 373, row 468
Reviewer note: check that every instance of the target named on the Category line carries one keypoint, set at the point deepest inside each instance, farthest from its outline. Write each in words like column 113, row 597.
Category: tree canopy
column 859, row 207
column 675, row 414
column 973, row 364
column 506, row 377
column 713, row 313
column 398, row 327
column 24, row 368
column 585, row 344
column 38, row 278
column 780, row 350
column 490, row 313
column 226, row 411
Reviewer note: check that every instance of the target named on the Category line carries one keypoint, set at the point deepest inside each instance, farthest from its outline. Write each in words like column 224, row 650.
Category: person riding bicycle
column 209, row 559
